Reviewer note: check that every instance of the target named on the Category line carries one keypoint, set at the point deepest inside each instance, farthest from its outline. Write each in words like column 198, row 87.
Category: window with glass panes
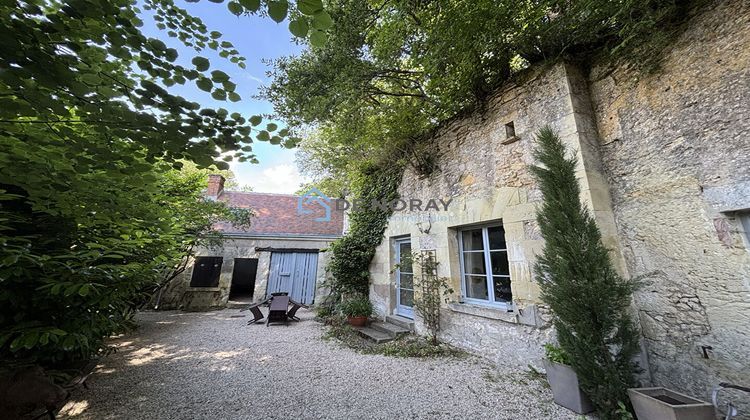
column 485, row 270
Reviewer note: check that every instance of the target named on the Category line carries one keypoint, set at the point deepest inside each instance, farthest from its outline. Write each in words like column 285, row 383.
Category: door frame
column 405, row 311
column 238, row 261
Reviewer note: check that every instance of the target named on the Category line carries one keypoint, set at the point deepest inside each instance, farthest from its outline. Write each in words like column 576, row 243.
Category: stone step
column 392, row 330
column 400, row 321
column 373, row 335
column 233, row 304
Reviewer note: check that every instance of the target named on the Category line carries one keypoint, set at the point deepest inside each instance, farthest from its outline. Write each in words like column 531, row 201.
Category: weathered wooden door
column 294, row 273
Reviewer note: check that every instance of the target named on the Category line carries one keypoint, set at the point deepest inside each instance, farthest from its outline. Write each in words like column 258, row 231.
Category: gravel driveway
column 211, row 365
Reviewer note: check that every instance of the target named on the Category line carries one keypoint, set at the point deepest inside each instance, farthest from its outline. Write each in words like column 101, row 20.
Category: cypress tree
column 588, row 299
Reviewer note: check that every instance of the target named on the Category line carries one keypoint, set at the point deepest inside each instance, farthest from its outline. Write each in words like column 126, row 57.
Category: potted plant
column 357, row 310
column 664, row 404
column 564, row 381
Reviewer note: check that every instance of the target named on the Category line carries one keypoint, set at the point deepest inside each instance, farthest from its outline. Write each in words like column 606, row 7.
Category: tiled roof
column 276, row 214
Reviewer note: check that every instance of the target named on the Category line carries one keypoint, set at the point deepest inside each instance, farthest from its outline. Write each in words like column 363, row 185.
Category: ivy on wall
column 352, row 254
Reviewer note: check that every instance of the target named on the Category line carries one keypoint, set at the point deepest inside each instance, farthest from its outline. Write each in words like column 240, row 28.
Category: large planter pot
column 564, row 383
column 665, row 404
column 357, row 321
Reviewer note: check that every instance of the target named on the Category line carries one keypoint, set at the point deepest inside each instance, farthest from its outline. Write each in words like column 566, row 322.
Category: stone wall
column 675, row 148
column 664, row 165
column 486, row 175
column 180, row 295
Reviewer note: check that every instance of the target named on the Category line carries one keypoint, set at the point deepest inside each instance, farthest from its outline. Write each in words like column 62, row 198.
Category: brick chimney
column 215, row 186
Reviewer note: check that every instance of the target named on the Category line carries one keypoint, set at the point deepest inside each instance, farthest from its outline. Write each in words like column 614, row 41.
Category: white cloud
column 276, row 172
column 254, row 78
column 280, row 179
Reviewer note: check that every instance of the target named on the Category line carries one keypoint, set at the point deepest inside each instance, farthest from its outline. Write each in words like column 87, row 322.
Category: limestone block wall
column 486, row 175
column 664, row 166
column 181, row 296
column 675, row 147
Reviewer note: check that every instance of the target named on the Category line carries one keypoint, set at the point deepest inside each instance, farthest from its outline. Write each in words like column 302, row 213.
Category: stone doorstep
column 374, row 335
column 391, row 329
column 383, row 332
column 237, row 305
column 400, row 321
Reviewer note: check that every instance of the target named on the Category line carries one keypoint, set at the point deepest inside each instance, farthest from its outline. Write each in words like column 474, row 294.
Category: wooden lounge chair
column 255, row 310
column 292, row 314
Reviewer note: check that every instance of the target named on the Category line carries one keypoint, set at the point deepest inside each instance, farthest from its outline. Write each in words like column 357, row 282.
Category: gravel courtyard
column 211, row 365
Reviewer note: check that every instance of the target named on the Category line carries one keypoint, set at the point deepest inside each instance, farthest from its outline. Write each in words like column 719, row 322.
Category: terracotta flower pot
column 357, row 321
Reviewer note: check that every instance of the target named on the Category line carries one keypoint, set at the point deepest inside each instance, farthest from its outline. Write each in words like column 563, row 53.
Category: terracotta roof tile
column 277, row 214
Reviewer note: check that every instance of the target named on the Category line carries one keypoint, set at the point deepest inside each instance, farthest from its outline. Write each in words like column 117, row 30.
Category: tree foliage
column 588, row 299
column 87, row 62
column 393, row 70
column 82, row 250
column 93, row 215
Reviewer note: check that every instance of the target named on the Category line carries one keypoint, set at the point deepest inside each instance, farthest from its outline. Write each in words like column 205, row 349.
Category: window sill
column 510, row 140
column 495, row 313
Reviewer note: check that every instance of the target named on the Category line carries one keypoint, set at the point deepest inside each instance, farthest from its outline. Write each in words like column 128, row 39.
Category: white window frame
column 405, row 311
column 744, row 217
column 488, row 267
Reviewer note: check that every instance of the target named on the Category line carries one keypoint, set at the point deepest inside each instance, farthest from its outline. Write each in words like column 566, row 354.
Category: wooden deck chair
column 292, row 314
column 255, row 310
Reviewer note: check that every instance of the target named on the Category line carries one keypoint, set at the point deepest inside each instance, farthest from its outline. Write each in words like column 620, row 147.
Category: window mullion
column 464, row 292
column 487, row 266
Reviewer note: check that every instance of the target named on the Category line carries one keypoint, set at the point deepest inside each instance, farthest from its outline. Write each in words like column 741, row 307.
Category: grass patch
column 404, row 346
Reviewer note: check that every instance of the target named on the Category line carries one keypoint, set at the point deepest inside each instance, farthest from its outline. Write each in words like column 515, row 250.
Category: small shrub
column 323, row 311
column 623, row 412
column 340, row 329
column 556, row 354
column 356, row 307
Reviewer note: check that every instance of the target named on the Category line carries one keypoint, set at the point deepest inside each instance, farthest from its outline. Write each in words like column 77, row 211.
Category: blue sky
column 256, row 38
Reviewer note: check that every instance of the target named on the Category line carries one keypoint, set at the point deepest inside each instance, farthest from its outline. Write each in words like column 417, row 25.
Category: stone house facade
column 284, row 249
column 664, row 166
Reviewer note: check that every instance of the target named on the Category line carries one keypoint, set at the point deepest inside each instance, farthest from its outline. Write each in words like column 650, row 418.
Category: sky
column 256, row 39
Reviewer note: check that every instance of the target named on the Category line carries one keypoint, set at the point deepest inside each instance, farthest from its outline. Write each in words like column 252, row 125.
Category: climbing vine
column 352, row 254
column 433, row 290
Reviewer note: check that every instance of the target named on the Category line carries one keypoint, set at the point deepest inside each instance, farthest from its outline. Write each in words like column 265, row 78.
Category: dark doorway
column 243, row 278
column 206, row 272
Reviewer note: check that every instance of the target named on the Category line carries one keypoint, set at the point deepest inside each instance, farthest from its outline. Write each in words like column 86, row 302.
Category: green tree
column 189, row 168
column 195, row 218
column 93, row 217
column 589, row 300
column 87, row 62
column 81, row 249
column 392, row 71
